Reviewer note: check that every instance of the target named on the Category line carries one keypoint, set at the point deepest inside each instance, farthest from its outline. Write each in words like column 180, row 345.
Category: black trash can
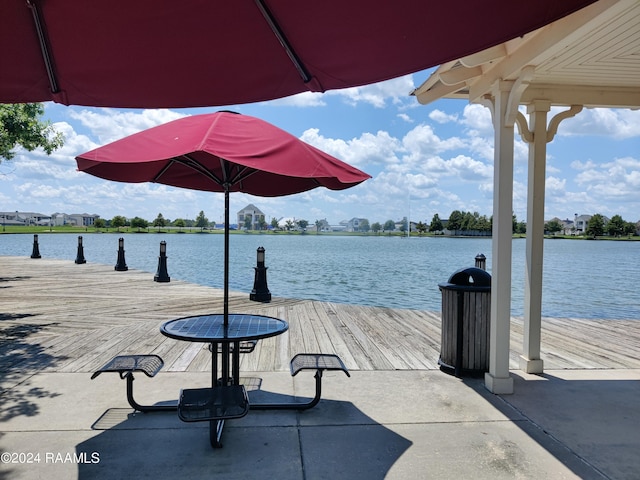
column 466, row 316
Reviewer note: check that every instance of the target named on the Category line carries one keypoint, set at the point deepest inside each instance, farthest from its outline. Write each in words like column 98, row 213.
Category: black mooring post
column 121, row 266
column 35, row 253
column 80, row 256
column 260, row 292
column 162, row 275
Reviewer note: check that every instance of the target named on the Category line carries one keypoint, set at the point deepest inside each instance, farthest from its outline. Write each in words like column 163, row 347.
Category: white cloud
column 442, row 117
column 302, row 100
column 405, row 117
column 367, row 149
column 578, row 165
column 614, row 123
column 378, row 94
column 477, row 119
column 109, row 124
column 422, row 141
column 555, row 185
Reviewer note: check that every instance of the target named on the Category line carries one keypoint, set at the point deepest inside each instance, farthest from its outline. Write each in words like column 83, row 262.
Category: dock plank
column 59, row 316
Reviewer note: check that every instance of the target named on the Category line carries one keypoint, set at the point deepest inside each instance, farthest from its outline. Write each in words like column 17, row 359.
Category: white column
column 497, row 379
column 538, row 135
column 530, row 361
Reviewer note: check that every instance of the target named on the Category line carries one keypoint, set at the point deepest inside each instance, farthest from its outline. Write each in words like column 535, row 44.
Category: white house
column 251, row 215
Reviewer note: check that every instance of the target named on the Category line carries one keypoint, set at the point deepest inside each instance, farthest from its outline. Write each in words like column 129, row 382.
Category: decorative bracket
column 555, row 121
column 527, row 135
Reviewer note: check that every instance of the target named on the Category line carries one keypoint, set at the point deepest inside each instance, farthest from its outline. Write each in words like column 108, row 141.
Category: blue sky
column 423, row 160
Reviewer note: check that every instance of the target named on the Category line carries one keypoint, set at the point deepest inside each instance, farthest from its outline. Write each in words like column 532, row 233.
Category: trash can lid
column 471, row 277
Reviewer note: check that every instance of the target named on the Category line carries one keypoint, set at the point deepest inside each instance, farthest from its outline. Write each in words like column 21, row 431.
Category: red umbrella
column 150, row 53
column 221, row 152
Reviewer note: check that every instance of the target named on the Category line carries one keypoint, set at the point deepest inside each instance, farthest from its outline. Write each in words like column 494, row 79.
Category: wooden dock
column 59, row 316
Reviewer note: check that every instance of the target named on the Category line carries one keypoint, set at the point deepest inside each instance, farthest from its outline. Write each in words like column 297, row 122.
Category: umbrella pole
column 225, row 345
column 226, row 255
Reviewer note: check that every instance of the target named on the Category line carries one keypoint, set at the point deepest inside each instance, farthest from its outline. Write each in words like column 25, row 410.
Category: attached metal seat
column 308, row 361
column 247, row 346
column 318, row 362
column 219, row 403
column 125, row 365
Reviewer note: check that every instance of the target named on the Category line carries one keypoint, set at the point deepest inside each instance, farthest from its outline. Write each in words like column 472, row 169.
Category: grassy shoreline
column 13, row 229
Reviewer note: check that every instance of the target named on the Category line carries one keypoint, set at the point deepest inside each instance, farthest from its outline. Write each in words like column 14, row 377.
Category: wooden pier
column 59, row 316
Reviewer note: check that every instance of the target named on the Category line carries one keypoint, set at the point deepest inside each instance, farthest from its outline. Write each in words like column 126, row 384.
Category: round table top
column 210, row 328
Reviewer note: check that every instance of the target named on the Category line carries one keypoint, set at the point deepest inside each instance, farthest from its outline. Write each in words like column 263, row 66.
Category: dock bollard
column 481, row 261
column 162, row 275
column 35, row 253
column 121, row 266
column 260, row 292
column 80, row 256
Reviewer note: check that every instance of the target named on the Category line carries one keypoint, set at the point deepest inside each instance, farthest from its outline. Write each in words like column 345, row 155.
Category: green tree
column 139, row 223
column 20, row 124
column 630, row 228
column 595, row 226
column 421, row 227
column 202, row 221
column 262, row 224
column 180, row 223
column 247, row 222
column 364, row 225
column 483, row 224
column 553, row 226
column 289, row 225
column 469, row 221
column 302, row 224
column 275, row 224
column 99, row 223
column 455, row 221
column 376, row 227
column 436, row 224
column 616, row 226
column 159, row 222
column 389, row 226
column 118, row 221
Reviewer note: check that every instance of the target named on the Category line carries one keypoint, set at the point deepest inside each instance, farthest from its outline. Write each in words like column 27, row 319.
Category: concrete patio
column 374, row 425
column 60, row 320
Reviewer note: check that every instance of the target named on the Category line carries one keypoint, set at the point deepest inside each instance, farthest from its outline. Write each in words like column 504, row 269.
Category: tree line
column 459, row 223
column 598, row 226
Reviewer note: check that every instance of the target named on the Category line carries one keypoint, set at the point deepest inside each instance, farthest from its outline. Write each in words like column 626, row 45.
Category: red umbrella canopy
column 187, row 53
column 205, row 152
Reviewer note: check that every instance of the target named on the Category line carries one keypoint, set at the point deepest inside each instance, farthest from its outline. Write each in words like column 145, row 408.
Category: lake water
column 582, row 279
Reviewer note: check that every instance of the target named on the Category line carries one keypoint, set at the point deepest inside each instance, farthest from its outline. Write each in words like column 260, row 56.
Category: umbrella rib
column 277, row 31
column 188, row 161
column 44, row 46
column 243, row 174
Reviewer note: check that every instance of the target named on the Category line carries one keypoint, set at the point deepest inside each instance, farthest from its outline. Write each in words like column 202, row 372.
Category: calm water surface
column 583, row 279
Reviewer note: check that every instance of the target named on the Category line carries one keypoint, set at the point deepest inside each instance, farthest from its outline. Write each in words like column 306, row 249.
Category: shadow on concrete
column 281, row 444
column 584, row 422
column 19, row 358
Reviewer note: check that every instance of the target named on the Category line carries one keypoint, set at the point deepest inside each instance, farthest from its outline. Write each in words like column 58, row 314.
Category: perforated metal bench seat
column 125, row 365
column 308, row 361
column 318, row 362
column 246, row 346
column 220, row 403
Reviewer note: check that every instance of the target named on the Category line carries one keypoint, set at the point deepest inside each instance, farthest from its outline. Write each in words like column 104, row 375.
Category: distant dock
column 58, row 316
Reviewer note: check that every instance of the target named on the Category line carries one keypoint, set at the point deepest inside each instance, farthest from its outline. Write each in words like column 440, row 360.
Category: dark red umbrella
column 221, row 152
column 150, row 53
